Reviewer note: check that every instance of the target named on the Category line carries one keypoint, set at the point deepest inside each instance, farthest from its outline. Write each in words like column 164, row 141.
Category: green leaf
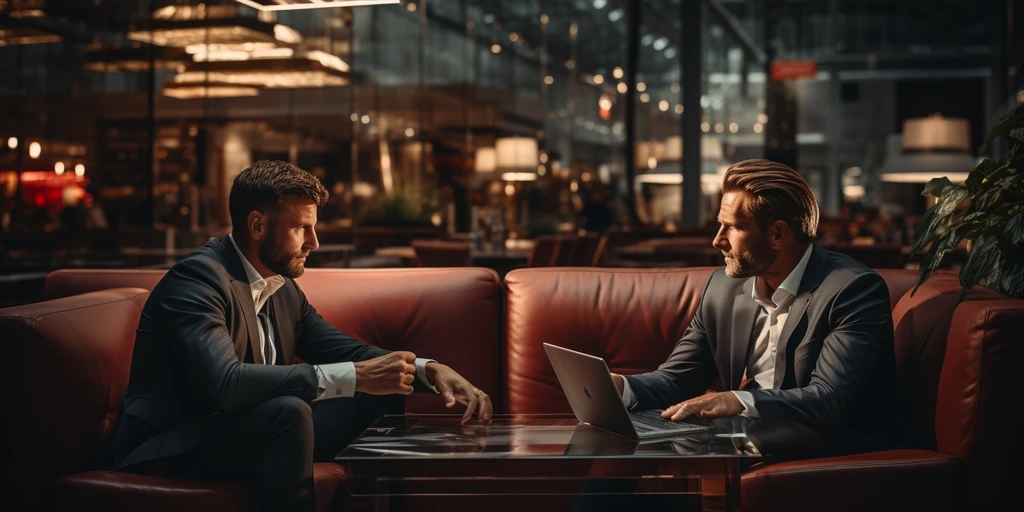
column 925, row 229
column 952, row 196
column 980, row 262
column 1017, row 134
column 1013, row 231
column 974, row 179
column 1011, row 120
column 936, row 186
column 943, row 243
column 1011, row 278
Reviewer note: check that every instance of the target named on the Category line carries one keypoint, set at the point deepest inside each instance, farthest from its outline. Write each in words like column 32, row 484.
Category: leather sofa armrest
column 889, row 480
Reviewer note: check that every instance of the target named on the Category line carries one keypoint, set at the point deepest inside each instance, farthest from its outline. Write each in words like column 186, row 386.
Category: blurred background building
column 123, row 123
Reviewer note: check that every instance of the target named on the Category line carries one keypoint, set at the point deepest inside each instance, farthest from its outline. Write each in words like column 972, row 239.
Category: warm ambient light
column 208, row 90
column 270, row 73
column 34, row 150
column 80, row 170
column 58, row 168
column 292, row 5
column 936, row 133
column 184, row 26
column 514, row 153
column 485, row 160
column 12, row 143
column 617, row 72
column 519, row 176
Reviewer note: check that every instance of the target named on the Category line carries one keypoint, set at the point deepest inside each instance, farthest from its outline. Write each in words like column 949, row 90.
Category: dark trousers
column 275, row 443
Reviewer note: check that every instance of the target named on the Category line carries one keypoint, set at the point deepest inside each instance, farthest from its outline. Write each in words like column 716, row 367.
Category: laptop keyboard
column 652, row 420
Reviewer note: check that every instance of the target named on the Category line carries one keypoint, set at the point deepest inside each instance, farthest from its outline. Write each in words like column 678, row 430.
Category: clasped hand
column 395, row 373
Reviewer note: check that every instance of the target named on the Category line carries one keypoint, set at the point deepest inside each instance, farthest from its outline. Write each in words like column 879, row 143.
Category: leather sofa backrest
column 632, row 318
column 68, row 282
column 68, row 362
column 452, row 315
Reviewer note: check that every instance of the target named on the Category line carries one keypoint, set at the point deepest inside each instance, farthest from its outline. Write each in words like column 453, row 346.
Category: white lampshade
column 517, row 153
column 937, row 133
column 922, row 166
column 485, row 160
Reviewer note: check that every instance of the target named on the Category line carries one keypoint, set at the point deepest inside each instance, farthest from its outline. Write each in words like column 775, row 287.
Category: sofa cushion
column 894, row 480
column 112, row 491
column 68, row 365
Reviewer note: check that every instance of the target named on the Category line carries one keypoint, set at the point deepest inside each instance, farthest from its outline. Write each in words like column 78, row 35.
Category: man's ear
column 258, row 225
column 778, row 233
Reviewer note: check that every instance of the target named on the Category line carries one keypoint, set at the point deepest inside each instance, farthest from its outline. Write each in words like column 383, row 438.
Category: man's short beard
column 752, row 262
column 279, row 261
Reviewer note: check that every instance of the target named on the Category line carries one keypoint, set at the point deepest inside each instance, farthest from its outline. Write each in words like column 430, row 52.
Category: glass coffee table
column 538, row 462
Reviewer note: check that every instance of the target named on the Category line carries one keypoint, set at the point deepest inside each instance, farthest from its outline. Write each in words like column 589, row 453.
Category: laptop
column 594, row 399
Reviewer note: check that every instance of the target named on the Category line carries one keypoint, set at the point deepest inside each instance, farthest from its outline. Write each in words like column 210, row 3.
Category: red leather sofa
column 955, row 363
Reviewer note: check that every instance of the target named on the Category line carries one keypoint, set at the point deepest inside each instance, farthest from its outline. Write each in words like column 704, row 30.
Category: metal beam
column 692, row 66
column 718, row 12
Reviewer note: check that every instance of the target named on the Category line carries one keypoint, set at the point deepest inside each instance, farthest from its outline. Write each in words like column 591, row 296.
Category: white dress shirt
column 761, row 360
column 334, row 380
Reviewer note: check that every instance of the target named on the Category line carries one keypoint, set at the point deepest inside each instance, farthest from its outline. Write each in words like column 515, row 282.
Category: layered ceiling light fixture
column 134, row 58
column 184, row 26
column 308, row 69
column 208, row 90
column 291, row 5
column 929, row 147
column 21, row 29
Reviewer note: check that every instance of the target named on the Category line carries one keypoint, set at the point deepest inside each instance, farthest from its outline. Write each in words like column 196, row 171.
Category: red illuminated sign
column 793, row 69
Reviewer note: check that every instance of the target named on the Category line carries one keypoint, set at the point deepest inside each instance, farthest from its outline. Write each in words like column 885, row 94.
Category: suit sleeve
column 861, row 335
column 687, row 373
column 192, row 309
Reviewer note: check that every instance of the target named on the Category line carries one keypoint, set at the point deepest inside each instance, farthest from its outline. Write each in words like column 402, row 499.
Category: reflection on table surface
column 531, row 436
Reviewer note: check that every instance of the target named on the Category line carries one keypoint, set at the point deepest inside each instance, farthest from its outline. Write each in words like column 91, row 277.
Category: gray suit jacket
column 193, row 352
column 835, row 365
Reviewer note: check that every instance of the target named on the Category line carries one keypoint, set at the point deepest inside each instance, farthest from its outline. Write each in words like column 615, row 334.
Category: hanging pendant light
column 929, row 147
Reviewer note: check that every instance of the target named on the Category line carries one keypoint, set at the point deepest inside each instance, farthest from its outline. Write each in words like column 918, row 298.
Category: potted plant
column 987, row 211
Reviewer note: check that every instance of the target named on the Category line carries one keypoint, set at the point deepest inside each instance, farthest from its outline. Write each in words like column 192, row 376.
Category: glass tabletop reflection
column 398, row 437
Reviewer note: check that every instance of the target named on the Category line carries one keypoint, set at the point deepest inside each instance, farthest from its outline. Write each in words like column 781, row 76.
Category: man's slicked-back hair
column 264, row 185
column 779, row 193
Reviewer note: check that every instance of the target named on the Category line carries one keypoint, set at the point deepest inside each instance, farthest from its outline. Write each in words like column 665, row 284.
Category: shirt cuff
column 747, row 400
column 421, row 373
column 628, row 398
column 335, row 380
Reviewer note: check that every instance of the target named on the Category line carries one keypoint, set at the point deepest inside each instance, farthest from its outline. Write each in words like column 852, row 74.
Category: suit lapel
column 243, row 300
column 744, row 310
column 284, row 321
column 813, row 275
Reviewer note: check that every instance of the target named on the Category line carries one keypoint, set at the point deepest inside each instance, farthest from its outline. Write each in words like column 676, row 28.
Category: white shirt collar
column 262, row 288
column 250, row 271
column 789, row 287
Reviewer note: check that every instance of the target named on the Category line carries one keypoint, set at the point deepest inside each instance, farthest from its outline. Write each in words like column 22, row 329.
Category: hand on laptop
column 709, row 406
